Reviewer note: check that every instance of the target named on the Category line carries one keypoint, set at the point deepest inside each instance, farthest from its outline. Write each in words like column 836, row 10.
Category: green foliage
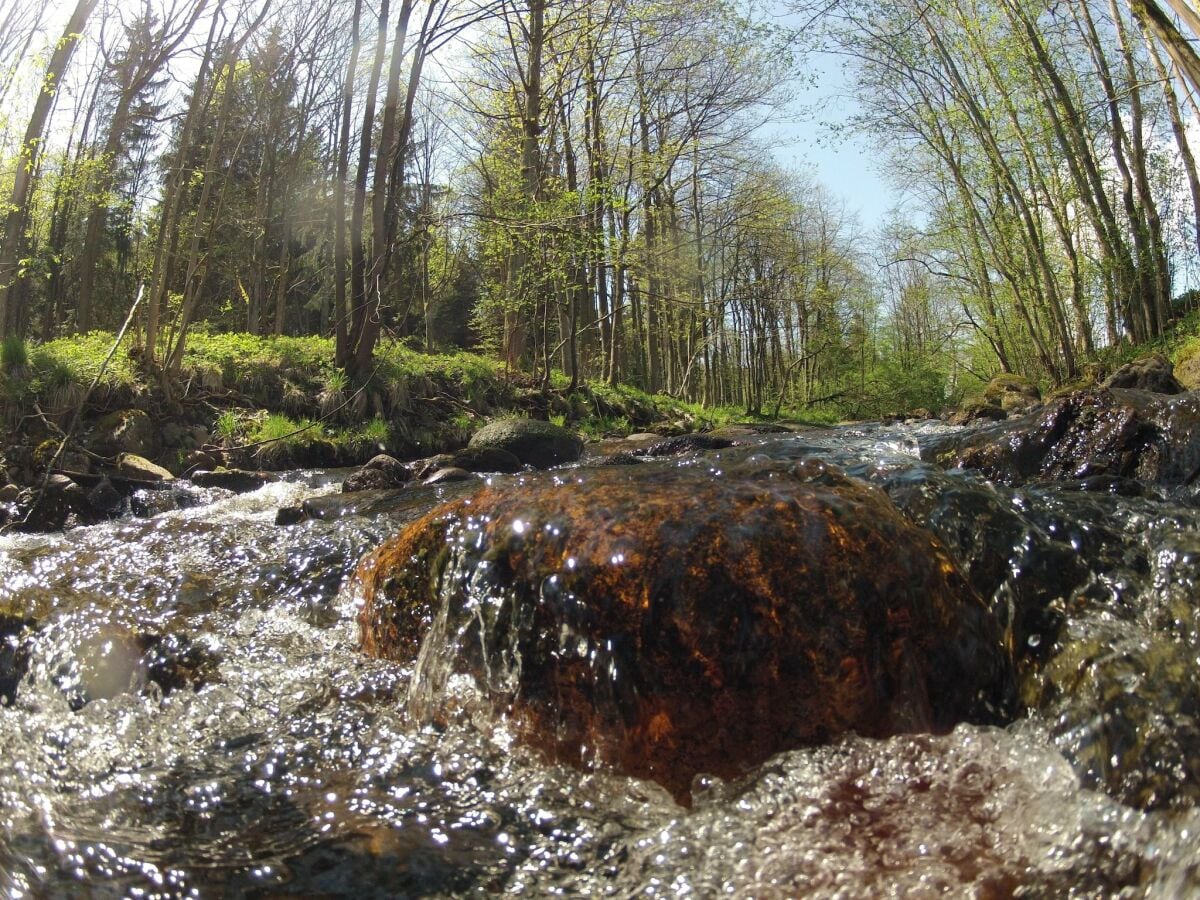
column 1180, row 341
column 58, row 373
column 336, row 381
column 598, row 427
column 14, row 354
column 917, row 385
column 377, row 431
column 79, row 359
column 228, row 426
column 366, row 440
column 467, row 369
column 278, row 427
column 244, row 357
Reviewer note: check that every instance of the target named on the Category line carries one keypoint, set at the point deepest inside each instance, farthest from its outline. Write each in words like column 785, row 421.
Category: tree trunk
column 24, row 179
column 360, row 306
column 340, row 311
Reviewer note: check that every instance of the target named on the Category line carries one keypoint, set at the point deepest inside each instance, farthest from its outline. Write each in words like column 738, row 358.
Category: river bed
column 277, row 759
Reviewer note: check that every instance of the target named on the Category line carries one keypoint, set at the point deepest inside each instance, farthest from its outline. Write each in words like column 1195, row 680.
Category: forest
column 585, row 188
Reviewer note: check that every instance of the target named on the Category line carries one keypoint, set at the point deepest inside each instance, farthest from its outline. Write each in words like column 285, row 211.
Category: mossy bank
column 273, row 403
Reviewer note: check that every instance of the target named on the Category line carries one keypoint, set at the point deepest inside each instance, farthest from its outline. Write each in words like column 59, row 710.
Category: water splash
column 295, row 768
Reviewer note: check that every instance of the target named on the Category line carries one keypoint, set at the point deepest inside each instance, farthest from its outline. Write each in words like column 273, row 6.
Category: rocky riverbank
column 245, row 410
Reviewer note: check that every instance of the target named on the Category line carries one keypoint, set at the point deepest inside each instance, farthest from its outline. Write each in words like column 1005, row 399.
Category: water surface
column 294, row 769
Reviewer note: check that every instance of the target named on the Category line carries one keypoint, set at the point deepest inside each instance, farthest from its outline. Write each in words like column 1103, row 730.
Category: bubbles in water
column 292, row 766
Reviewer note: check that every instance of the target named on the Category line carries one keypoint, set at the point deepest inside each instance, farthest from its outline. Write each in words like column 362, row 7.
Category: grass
column 14, row 354
column 268, row 388
column 228, row 426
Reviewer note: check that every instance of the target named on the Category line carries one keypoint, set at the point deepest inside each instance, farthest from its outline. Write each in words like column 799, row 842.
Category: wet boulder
column 1024, row 572
column 471, row 459
column 380, row 472
column 1116, row 432
column 484, row 459
column 532, row 441
column 670, row 623
column 1146, row 373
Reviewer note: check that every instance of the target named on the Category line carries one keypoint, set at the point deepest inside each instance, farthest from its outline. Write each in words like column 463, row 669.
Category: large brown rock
column 669, row 622
column 977, row 411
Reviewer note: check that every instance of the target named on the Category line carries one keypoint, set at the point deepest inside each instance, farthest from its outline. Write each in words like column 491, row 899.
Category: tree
column 25, row 176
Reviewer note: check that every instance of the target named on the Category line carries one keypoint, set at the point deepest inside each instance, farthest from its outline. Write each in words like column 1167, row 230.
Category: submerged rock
column 688, row 443
column 240, row 481
column 1124, row 708
column 532, row 441
column 175, row 661
column 145, row 503
column 106, row 499
column 1110, row 432
column 672, row 623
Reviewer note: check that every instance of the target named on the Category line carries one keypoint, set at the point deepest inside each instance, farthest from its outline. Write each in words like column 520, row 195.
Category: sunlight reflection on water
column 293, row 768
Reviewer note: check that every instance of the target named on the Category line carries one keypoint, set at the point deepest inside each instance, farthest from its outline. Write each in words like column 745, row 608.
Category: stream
column 197, row 720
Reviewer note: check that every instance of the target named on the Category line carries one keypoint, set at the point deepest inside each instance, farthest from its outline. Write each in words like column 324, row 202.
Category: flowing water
column 196, row 720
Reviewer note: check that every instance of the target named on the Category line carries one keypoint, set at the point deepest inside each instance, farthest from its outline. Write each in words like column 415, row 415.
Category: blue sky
column 848, row 166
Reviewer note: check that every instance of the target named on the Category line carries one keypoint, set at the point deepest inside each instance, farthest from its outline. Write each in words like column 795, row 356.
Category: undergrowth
column 288, row 392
